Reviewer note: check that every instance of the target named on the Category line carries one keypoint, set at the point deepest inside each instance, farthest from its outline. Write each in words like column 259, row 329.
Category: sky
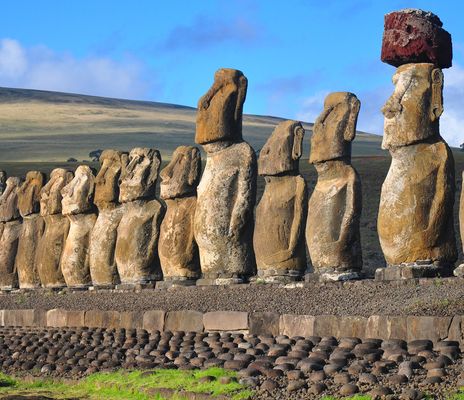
column 293, row 52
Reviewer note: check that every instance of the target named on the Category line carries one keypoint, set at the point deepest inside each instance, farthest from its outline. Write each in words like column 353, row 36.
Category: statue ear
column 298, row 134
column 436, row 103
column 194, row 167
column 242, row 90
column 350, row 130
column 154, row 168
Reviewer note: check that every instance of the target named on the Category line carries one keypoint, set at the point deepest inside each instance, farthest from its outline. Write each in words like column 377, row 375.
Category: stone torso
column 277, row 213
column 416, row 191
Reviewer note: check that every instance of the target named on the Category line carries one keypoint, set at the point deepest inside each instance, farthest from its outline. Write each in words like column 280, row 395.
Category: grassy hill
column 38, row 125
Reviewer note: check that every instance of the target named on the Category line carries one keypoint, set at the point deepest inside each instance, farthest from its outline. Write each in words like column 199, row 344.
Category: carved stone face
column 9, row 200
column 50, row 195
column 282, row 150
column 219, row 115
column 180, row 177
column 78, row 194
column 29, row 193
column 138, row 178
column 2, row 181
column 107, row 180
column 335, row 128
column 413, row 110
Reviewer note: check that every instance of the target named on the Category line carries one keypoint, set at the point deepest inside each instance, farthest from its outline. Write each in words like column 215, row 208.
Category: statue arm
column 299, row 214
column 245, row 198
column 352, row 210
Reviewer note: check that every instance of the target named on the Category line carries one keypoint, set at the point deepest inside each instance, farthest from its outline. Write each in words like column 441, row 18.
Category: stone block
column 18, row 317
column 376, row 327
column 264, row 323
column 456, row 329
column 75, row 318
column 131, row 320
column 153, row 320
column 424, row 327
column 352, row 326
column 40, row 318
column 225, row 321
column 415, row 36
column 397, row 327
column 185, row 320
column 327, row 325
column 102, row 319
column 297, row 325
column 57, row 318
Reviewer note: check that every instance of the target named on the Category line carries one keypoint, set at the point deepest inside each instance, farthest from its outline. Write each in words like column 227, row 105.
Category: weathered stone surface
column 49, row 250
column 131, row 320
column 415, row 222
column 103, row 269
column 32, row 229
column 51, row 244
column 75, row 318
column 428, row 327
column 297, row 325
column 225, row 321
column 352, row 326
column 188, row 321
column 327, row 325
column 334, row 210
column 223, row 224
column 264, row 323
column 3, row 177
column 461, row 223
column 177, row 248
column 10, row 229
column 57, row 317
column 9, row 200
column 18, row 317
column 102, row 319
column 136, row 252
column 220, row 110
column 153, row 320
column 415, row 36
column 278, row 238
column 78, row 207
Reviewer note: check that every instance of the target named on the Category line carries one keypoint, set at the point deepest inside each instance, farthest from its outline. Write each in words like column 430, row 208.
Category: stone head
column 335, row 128
column 138, row 177
column 413, row 111
column 9, row 200
column 78, row 194
column 107, row 180
column 50, row 195
column 29, row 193
column 3, row 177
column 220, row 110
column 283, row 149
column 181, row 176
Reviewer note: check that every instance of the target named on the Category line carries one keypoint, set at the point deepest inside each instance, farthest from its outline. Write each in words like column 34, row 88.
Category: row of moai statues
column 111, row 228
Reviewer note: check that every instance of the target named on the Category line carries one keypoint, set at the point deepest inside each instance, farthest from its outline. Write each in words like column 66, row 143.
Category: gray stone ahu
column 334, row 209
column 223, row 225
column 3, row 177
column 103, row 269
column 279, row 241
column 177, row 248
column 10, row 229
column 31, row 231
column 78, row 206
column 136, row 251
column 51, row 243
column 415, row 221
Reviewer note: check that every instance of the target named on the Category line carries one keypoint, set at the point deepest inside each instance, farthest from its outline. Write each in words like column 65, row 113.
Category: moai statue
column 10, row 229
column 177, row 248
column 3, row 177
column 51, row 244
column 103, row 239
column 78, row 207
column 459, row 271
column 415, row 221
column 334, row 209
column 278, row 239
column 31, row 231
column 138, row 231
column 224, row 224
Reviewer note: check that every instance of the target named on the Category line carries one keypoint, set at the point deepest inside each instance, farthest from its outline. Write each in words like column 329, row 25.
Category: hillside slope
column 38, row 125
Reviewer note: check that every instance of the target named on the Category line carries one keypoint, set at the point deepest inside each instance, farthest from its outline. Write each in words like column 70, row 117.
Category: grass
column 135, row 385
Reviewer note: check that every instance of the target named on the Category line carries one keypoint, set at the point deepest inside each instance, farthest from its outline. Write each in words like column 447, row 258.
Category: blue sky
column 293, row 52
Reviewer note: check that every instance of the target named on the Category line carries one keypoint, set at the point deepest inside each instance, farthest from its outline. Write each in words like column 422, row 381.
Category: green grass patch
column 134, row 385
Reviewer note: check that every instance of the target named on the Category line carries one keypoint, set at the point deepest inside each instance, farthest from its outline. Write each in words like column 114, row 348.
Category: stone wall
column 259, row 323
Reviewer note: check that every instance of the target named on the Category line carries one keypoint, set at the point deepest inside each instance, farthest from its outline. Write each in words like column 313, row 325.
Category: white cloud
column 41, row 68
column 371, row 118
